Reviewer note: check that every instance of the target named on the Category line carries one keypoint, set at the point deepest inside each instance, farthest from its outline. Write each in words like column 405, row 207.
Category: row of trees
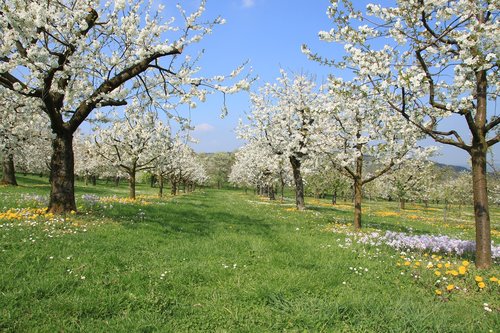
column 129, row 142
column 336, row 126
column 426, row 61
column 421, row 182
column 62, row 60
column 412, row 65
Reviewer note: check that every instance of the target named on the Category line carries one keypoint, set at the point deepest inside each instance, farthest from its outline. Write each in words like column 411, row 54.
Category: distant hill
column 455, row 168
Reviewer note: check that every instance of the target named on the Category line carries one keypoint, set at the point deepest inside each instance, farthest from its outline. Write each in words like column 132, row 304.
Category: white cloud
column 204, row 128
column 248, row 3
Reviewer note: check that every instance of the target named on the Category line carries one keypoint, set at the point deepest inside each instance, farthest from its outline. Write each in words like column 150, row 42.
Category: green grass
column 218, row 261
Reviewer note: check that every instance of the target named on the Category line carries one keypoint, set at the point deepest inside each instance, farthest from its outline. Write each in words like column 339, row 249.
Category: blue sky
column 269, row 34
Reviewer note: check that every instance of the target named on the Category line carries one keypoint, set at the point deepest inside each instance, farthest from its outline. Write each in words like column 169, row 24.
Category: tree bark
column 357, row 203
column 9, row 171
column 481, row 211
column 358, row 188
column 131, row 185
column 62, row 178
column 299, row 183
column 334, row 197
column 402, row 203
column 93, row 179
column 174, row 188
column 160, row 186
column 271, row 192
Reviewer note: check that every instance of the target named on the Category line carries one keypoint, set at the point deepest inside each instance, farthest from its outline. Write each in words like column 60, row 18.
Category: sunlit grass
column 215, row 261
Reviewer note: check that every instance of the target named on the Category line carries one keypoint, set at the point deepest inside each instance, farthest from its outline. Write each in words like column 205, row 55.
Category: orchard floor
column 226, row 261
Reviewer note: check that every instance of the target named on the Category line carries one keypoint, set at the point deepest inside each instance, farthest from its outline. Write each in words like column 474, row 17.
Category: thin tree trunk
column 117, row 181
column 9, row 171
column 358, row 188
column 481, row 211
column 402, row 203
column 173, row 191
column 357, row 203
column 93, row 178
column 299, row 183
column 160, row 186
column 334, row 197
column 271, row 193
column 445, row 211
column 62, row 178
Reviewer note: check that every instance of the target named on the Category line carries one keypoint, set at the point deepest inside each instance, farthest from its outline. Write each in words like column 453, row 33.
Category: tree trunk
column 9, row 172
column 481, row 211
column 271, row 193
column 153, row 180
column 117, row 180
column 402, row 203
column 93, row 179
column 299, row 183
column 357, row 203
column 173, row 191
column 160, row 186
column 62, row 177
column 334, row 197
column 358, row 188
column 445, row 211
column 131, row 184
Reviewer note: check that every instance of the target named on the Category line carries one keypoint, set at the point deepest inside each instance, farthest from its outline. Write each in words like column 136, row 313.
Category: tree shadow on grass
column 189, row 218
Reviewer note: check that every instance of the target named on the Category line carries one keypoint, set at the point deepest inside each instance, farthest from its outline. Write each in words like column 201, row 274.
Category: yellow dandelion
column 454, row 272
column 450, row 287
column 481, row 285
column 465, row 263
column 447, row 265
column 417, row 264
column 437, row 273
column 493, row 279
column 477, row 278
column 438, row 292
column 462, row 270
column 407, row 263
column 439, row 265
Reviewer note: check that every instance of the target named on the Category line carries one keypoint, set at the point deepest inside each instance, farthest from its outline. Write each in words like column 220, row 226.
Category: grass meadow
column 226, row 261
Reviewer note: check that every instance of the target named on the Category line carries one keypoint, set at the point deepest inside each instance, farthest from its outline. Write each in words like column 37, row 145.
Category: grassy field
column 226, row 261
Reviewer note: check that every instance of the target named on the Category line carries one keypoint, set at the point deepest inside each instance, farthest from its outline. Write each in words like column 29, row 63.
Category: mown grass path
column 216, row 261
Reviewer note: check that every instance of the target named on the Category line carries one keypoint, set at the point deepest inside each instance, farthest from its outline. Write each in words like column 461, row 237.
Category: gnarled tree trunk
column 299, row 183
column 62, row 178
column 131, row 184
column 9, row 171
